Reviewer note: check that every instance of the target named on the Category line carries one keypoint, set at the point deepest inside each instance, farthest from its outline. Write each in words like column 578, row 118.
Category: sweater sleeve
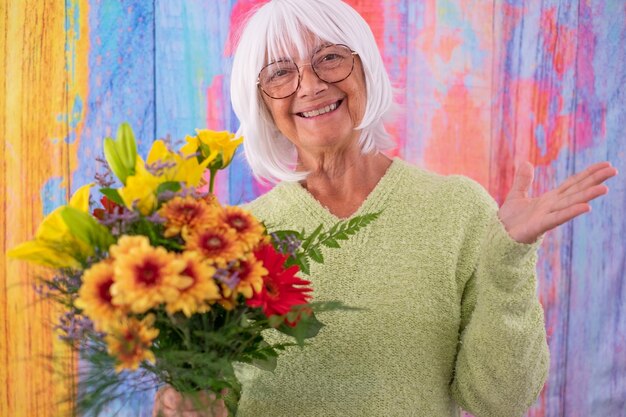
column 503, row 359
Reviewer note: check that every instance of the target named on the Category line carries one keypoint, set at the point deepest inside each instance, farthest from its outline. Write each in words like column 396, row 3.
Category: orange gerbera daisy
column 211, row 199
column 126, row 244
column 129, row 341
column 249, row 229
column 218, row 245
column 147, row 277
column 203, row 289
column 249, row 273
column 94, row 296
column 181, row 213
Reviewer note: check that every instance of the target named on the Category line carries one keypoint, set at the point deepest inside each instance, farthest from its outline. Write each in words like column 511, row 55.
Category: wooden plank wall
column 482, row 84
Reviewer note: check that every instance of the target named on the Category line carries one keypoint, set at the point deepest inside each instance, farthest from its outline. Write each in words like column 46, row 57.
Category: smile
column 319, row 112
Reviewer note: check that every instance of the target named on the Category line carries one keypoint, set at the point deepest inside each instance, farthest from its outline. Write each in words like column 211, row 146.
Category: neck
column 342, row 180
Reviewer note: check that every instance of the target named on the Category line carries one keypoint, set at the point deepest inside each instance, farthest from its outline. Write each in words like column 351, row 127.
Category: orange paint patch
column 460, row 137
column 560, row 40
column 540, row 122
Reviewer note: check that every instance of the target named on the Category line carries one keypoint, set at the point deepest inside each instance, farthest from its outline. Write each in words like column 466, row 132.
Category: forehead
column 299, row 47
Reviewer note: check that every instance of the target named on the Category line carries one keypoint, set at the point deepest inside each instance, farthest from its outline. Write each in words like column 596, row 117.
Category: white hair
column 270, row 31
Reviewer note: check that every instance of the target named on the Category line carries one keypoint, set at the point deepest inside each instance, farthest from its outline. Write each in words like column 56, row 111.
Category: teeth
column 317, row 112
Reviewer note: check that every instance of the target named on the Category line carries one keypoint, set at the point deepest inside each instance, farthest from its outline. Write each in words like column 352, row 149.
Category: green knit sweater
column 451, row 314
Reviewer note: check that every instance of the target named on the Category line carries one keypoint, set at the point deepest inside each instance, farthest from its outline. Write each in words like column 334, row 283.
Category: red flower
column 281, row 288
column 110, row 207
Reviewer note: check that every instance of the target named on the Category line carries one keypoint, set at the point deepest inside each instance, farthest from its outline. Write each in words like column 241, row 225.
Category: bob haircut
column 272, row 30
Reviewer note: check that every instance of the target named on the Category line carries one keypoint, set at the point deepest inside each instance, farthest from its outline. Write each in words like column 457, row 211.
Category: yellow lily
column 140, row 189
column 54, row 245
column 185, row 168
column 218, row 144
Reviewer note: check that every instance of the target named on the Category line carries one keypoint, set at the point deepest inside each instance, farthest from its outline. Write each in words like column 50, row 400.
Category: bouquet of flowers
column 162, row 280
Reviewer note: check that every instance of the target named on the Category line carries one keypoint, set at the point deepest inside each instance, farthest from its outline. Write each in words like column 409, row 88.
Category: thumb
column 523, row 179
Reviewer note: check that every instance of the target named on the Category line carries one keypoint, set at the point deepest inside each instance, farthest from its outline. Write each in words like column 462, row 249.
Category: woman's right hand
column 171, row 403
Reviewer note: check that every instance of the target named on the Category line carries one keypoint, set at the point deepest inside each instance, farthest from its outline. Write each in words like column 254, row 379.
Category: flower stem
column 212, row 180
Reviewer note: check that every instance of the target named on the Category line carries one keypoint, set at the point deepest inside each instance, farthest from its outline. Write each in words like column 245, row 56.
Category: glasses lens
column 333, row 63
column 279, row 79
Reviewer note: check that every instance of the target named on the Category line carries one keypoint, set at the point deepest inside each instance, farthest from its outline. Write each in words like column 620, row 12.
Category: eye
column 278, row 73
column 331, row 57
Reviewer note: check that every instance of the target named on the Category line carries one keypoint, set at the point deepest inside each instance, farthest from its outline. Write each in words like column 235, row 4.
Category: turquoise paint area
column 53, row 195
column 190, row 37
column 77, row 110
column 121, row 80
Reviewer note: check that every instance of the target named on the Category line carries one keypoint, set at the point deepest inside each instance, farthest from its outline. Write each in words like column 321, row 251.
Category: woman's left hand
column 527, row 218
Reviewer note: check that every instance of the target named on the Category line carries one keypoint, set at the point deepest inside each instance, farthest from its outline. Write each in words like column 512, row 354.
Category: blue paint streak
column 121, row 80
column 540, row 137
column 77, row 110
column 53, row 195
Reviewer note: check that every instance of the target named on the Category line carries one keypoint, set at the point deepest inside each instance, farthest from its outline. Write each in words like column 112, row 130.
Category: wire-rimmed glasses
column 331, row 63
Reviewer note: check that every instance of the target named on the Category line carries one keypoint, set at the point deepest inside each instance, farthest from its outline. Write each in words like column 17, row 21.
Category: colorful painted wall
column 483, row 84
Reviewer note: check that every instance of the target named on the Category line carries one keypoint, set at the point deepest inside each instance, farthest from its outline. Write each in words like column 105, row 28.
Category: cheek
column 357, row 106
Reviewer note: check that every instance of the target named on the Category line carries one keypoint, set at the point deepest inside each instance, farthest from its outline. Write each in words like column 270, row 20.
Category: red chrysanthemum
column 281, row 288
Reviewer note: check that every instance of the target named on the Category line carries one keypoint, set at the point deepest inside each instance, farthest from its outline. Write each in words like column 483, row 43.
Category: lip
column 318, row 106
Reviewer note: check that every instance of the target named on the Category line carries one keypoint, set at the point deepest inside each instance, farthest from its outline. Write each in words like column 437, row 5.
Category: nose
column 310, row 83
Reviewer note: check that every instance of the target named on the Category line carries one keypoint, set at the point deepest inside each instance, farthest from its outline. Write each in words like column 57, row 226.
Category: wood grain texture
column 596, row 334
column 35, row 172
column 481, row 85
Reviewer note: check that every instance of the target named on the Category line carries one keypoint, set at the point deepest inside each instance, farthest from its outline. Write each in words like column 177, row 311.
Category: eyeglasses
column 331, row 63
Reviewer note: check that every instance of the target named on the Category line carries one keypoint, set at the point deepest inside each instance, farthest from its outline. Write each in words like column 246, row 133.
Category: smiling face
column 321, row 116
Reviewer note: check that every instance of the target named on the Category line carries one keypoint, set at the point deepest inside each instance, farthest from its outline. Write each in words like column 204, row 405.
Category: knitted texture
column 450, row 314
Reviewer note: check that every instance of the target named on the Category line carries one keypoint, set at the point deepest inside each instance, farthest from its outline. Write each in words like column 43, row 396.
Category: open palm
column 527, row 218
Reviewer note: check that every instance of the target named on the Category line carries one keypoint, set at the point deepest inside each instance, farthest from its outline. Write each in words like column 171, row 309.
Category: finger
column 523, row 179
column 170, row 398
column 598, row 177
column 557, row 218
column 576, row 178
column 579, row 197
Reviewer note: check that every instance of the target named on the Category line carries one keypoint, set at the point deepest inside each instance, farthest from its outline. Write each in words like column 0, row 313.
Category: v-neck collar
column 373, row 202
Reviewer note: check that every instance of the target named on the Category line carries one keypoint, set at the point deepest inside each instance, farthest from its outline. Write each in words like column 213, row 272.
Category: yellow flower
column 54, row 245
column 249, row 230
column 140, row 189
column 217, row 147
column 250, row 273
column 196, row 297
column 217, row 245
column 127, row 243
column 183, row 213
column 94, row 296
column 129, row 341
column 182, row 167
column 147, row 277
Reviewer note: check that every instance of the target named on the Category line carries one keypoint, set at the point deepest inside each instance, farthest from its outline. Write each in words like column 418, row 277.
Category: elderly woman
column 446, row 279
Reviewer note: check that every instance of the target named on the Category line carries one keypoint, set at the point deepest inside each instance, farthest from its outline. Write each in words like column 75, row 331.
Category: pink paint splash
column 560, row 41
column 238, row 16
column 588, row 123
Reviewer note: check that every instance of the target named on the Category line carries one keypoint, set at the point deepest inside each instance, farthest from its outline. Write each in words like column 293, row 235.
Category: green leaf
column 304, row 265
column 86, row 228
column 330, row 243
column 114, row 159
column 308, row 327
column 127, row 147
column 121, row 153
column 316, row 255
column 307, row 242
column 172, row 186
column 265, row 361
column 113, row 195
